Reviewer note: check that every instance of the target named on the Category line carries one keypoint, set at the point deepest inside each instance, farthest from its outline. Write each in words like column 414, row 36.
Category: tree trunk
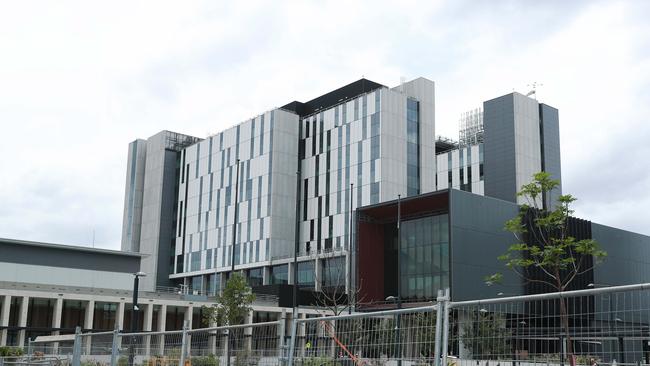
column 564, row 318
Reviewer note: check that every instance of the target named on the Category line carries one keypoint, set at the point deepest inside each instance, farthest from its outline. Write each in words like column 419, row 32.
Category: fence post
column 438, row 340
column 30, row 347
column 76, row 349
column 281, row 332
column 115, row 353
column 181, row 360
column 292, row 342
column 445, row 328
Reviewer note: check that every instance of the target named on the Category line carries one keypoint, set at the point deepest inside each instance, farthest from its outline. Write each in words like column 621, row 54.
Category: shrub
column 11, row 351
column 209, row 360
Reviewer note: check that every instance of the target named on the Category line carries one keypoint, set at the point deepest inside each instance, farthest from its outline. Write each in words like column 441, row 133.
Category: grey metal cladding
column 477, row 238
column 42, row 254
column 550, row 125
column 132, row 219
column 628, row 256
column 499, row 148
column 168, row 204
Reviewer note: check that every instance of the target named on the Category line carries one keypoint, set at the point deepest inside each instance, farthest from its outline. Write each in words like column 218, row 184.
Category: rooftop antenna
column 533, row 86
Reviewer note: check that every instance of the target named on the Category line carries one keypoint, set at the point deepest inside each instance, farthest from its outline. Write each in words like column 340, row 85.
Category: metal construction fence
column 367, row 338
column 608, row 325
column 597, row 326
column 247, row 344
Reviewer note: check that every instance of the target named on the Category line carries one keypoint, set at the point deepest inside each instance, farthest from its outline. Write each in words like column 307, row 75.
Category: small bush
column 11, row 351
column 209, row 360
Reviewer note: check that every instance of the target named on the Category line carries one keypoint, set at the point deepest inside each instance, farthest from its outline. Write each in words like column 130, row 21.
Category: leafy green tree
column 233, row 305
column 487, row 337
column 546, row 253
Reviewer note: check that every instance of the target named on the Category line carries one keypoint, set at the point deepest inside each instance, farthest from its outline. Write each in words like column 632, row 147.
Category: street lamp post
column 399, row 280
column 134, row 313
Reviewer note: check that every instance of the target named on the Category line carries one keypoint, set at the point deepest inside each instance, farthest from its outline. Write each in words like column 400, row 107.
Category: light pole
column 134, row 312
column 350, row 298
column 399, row 279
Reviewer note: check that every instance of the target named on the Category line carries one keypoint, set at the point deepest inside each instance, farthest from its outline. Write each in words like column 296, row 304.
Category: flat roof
column 333, row 98
column 76, row 248
column 414, row 206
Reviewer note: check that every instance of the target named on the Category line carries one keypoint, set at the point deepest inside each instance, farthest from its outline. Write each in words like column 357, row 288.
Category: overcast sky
column 80, row 80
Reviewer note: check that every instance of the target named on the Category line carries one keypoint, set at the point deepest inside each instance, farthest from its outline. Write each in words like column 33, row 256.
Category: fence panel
column 384, row 337
column 599, row 326
column 249, row 344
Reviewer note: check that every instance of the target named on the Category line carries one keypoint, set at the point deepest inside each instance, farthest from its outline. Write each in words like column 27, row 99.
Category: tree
column 546, row 253
column 332, row 295
column 233, row 305
column 487, row 336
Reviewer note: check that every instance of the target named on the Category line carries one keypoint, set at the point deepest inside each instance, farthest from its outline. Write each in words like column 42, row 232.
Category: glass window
column 212, row 285
column 306, row 274
column 424, row 256
column 208, row 259
column 280, row 274
column 374, row 192
column 196, row 261
column 413, row 148
column 196, row 285
column 374, row 124
column 333, row 272
column 255, row 277
column 377, row 99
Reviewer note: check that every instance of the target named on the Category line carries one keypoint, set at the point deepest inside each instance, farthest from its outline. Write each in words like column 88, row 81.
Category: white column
column 22, row 320
column 212, row 341
column 119, row 320
column 89, row 319
column 248, row 332
column 222, row 281
column 56, row 315
column 188, row 314
column 146, row 325
column 317, row 275
column 188, row 317
column 282, row 332
column 266, row 275
column 290, row 274
column 90, row 314
column 347, row 273
column 162, row 324
column 301, row 331
column 119, row 316
column 4, row 319
column 56, row 321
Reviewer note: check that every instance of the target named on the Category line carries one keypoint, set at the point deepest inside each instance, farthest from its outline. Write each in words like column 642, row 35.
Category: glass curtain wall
column 424, row 257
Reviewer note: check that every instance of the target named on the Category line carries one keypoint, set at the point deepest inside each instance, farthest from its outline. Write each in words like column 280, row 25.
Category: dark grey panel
column 477, row 239
column 628, row 256
column 167, row 215
column 59, row 256
column 551, row 158
column 499, row 148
